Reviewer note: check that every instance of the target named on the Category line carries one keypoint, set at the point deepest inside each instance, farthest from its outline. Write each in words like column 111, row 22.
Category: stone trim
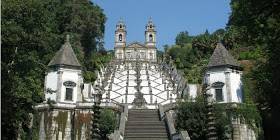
column 228, row 86
column 59, row 86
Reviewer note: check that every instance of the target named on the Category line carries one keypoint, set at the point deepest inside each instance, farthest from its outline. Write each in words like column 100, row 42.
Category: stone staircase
column 144, row 124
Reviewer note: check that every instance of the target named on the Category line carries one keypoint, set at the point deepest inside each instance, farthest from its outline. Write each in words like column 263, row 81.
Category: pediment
column 135, row 45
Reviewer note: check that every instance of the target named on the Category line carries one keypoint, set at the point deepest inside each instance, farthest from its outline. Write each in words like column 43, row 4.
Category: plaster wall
column 59, row 124
column 192, row 91
column 51, row 83
column 235, row 83
column 70, row 75
column 236, row 87
column 216, row 75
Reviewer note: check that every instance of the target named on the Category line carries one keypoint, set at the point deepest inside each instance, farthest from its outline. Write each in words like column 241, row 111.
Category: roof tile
column 65, row 56
column 221, row 57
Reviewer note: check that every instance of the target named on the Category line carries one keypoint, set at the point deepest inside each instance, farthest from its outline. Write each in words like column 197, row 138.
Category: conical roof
column 65, row 56
column 221, row 57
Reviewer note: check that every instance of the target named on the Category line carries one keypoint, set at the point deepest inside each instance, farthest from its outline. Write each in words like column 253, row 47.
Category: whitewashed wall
column 70, row 75
column 51, row 83
column 235, row 86
column 192, row 90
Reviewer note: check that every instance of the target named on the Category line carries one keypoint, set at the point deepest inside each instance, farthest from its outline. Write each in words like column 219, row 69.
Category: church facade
column 135, row 50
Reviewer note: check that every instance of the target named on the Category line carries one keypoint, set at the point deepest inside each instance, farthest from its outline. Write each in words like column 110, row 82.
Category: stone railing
column 79, row 105
column 165, row 113
column 119, row 134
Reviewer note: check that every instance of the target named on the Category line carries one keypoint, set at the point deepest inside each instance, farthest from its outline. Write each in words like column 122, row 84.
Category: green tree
column 183, row 38
column 32, row 31
column 258, row 21
column 192, row 116
column 108, row 122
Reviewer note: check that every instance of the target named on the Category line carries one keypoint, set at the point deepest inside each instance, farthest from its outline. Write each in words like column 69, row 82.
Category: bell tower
column 150, row 34
column 150, row 41
column 120, row 39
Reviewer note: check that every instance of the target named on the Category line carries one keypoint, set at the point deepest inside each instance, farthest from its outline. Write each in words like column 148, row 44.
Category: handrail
column 166, row 114
column 119, row 134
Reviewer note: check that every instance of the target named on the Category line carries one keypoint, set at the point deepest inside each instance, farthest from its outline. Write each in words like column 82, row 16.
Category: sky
column 169, row 16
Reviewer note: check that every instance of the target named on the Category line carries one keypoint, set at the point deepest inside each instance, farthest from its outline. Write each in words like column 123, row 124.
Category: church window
column 219, row 94
column 151, row 55
column 120, row 37
column 150, row 37
column 119, row 55
column 151, row 26
column 218, row 86
column 142, row 55
column 120, row 26
column 69, row 94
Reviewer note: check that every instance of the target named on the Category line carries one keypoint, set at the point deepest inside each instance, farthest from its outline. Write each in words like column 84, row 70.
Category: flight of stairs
column 144, row 124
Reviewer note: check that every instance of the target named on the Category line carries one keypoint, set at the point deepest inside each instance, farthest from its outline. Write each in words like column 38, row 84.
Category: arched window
column 151, row 26
column 120, row 37
column 120, row 26
column 150, row 37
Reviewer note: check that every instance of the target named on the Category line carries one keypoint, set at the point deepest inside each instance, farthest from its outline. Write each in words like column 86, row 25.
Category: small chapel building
column 223, row 75
column 64, row 81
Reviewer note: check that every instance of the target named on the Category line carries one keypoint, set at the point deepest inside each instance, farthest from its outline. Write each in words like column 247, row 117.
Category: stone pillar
column 126, row 89
column 228, row 87
column 68, row 127
column 42, row 134
column 59, row 86
column 236, row 129
column 79, row 85
column 45, row 83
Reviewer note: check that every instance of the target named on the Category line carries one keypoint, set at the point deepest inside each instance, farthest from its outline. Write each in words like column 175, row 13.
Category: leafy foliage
column 192, row 116
column 258, row 21
column 108, row 122
column 191, row 53
column 32, row 31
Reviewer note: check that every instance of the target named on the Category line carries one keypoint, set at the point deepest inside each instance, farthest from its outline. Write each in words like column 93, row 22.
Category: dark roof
column 221, row 57
column 65, row 56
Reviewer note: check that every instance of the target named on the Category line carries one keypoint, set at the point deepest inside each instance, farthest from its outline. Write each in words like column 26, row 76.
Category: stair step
column 144, row 119
column 143, row 116
column 146, row 135
column 144, row 124
column 137, row 130
column 145, row 127
column 146, row 138
column 143, row 110
column 138, row 115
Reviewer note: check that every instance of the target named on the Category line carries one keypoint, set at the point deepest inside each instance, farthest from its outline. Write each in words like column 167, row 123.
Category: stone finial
column 121, row 20
column 150, row 19
column 67, row 40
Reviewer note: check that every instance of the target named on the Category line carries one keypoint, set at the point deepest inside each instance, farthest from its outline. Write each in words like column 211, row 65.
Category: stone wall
column 63, row 124
column 242, row 131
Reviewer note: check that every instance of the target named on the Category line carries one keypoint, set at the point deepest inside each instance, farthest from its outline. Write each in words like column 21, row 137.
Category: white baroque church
column 135, row 83
column 134, row 50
